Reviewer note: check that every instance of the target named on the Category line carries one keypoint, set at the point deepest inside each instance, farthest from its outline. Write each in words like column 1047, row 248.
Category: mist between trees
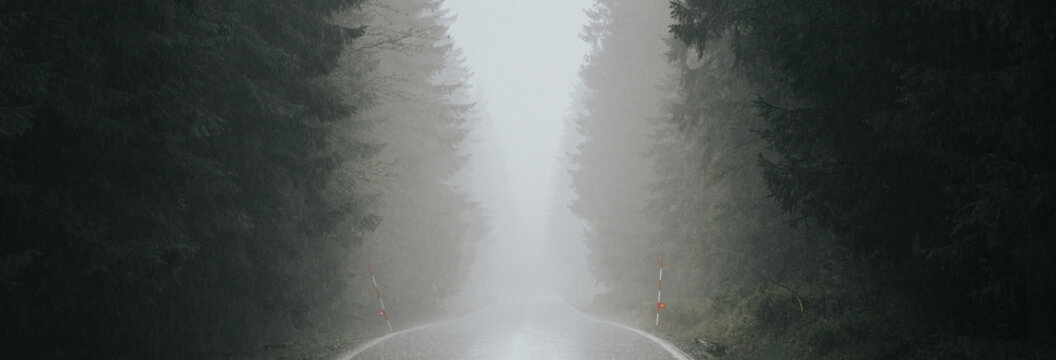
column 825, row 179
column 210, row 178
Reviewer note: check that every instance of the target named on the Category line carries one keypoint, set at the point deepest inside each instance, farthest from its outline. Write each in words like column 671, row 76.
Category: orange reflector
column 662, row 305
column 381, row 313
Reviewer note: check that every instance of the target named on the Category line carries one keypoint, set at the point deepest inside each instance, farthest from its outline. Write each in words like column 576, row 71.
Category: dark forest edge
column 196, row 179
column 191, row 175
column 910, row 146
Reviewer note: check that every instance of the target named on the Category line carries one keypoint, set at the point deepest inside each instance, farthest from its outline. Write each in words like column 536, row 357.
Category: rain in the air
column 547, row 179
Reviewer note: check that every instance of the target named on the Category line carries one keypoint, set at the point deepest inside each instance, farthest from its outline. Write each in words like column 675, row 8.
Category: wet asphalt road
column 527, row 329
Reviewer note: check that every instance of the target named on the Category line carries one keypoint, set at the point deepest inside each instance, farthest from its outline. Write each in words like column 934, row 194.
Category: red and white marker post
column 382, row 312
column 659, row 283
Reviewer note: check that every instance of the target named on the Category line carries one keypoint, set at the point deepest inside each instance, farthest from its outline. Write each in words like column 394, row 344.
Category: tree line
column 199, row 178
column 830, row 179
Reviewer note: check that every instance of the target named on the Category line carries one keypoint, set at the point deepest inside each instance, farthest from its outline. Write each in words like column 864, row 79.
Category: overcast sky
column 525, row 57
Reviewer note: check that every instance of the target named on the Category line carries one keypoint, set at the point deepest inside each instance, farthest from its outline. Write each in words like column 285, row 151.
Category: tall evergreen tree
column 419, row 110
column 620, row 102
column 163, row 169
column 918, row 135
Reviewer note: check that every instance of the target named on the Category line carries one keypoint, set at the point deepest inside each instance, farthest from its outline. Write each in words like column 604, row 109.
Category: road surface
column 540, row 328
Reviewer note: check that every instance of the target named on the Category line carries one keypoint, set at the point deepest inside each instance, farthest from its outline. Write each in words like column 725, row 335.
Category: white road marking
column 667, row 346
column 369, row 344
column 671, row 348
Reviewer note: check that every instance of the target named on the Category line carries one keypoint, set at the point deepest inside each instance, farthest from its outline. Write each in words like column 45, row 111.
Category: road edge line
column 367, row 345
column 671, row 348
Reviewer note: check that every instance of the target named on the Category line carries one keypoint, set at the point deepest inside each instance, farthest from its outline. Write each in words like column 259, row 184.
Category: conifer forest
column 823, row 179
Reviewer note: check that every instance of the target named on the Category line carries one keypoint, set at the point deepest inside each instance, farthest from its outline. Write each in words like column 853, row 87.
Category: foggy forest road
column 528, row 329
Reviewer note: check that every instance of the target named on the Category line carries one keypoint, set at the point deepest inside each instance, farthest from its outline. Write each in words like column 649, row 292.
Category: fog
column 524, row 58
column 822, row 179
